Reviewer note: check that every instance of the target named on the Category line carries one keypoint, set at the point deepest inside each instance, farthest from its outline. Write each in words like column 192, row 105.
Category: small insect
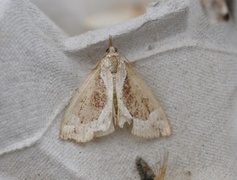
column 216, row 10
column 146, row 172
column 113, row 94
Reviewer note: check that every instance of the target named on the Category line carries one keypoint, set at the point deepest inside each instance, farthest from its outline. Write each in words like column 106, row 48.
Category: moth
column 216, row 10
column 112, row 95
column 146, row 172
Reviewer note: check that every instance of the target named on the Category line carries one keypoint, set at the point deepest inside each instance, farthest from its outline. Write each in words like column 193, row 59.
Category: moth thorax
column 113, row 64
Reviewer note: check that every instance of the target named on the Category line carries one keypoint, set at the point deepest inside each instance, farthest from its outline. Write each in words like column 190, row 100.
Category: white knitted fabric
column 189, row 63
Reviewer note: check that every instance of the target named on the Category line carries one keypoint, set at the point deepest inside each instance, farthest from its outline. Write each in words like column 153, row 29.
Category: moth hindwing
column 113, row 94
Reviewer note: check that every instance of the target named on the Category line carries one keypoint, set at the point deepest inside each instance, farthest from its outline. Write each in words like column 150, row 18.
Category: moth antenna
column 110, row 41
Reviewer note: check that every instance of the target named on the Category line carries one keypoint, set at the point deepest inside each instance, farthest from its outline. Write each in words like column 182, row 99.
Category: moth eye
column 116, row 50
column 107, row 50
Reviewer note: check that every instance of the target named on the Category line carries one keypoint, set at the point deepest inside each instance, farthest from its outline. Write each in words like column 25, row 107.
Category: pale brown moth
column 147, row 173
column 113, row 94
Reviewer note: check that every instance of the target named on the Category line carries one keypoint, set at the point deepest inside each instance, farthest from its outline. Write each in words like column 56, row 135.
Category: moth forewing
column 89, row 114
column 147, row 115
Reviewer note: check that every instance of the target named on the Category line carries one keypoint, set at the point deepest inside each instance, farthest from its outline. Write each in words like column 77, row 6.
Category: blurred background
column 78, row 16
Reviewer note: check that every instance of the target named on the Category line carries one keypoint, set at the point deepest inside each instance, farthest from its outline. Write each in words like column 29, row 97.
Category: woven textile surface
column 188, row 63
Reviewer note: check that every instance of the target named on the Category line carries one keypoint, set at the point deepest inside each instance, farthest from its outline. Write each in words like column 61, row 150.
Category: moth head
column 111, row 48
